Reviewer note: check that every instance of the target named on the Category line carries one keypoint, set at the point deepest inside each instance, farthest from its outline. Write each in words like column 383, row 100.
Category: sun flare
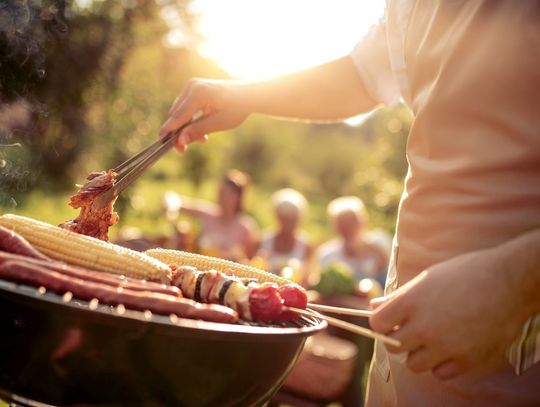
column 253, row 39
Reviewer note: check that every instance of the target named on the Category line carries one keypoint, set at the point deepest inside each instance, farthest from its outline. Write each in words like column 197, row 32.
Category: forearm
column 197, row 207
column 329, row 92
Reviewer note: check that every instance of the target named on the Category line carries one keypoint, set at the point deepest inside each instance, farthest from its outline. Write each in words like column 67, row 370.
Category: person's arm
column 460, row 314
column 250, row 242
column 198, row 208
column 329, row 92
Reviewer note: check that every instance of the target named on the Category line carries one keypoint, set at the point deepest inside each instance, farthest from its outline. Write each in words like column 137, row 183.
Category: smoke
column 26, row 27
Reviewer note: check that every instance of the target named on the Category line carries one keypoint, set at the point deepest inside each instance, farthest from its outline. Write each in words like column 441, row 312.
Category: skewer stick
column 341, row 310
column 359, row 330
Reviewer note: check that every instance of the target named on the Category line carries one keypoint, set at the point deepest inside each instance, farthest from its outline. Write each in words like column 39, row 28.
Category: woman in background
column 287, row 250
column 226, row 231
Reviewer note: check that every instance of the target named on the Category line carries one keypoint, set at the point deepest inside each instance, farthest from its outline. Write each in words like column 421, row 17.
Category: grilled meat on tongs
column 93, row 220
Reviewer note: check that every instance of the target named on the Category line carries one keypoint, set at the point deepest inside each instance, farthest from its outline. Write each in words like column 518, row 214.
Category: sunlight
column 254, row 39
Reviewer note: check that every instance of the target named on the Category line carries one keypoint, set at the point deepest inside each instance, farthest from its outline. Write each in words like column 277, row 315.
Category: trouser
column 391, row 383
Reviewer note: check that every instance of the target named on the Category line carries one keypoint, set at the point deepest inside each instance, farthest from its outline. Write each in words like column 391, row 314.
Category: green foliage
column 336, row 279
column 108, row 87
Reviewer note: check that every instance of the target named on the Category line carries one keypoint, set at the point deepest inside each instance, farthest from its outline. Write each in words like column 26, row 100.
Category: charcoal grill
column 61, row 351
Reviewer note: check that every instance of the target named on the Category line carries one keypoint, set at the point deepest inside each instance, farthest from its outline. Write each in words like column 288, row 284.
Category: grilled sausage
column 35, row 275
column 14, row 243
column 110, row 279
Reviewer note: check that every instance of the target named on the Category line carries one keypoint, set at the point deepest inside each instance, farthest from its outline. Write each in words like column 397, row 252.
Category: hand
column 455, row 317
column 219, row 103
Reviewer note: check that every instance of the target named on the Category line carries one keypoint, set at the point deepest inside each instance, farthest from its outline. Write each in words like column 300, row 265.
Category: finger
column 422, row 359
column 448, row 370
column 182, row 143
column 203, row 139
column 184, row 114
column 176, row 103
column 406, row 334
column 181, row 148
column 197, row 130
column 181, row 97
column 388, row 315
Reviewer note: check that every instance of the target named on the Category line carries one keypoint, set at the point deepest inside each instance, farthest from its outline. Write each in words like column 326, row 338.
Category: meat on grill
column 93, row 220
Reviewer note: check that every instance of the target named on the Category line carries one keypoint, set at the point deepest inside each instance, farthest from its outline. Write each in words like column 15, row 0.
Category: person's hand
column 455, row 317
column 219, row 102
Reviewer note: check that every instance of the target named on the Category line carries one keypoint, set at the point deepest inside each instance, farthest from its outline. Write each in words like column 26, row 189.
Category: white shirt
column 469, row 71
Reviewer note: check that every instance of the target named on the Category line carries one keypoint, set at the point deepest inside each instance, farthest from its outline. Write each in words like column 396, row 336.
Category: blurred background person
column 226, row 231
column 287, row 250
column 182, row 237
column 352, row 247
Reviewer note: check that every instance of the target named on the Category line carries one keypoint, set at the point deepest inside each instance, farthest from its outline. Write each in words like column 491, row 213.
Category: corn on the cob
column 85, row 251
column 181, row 258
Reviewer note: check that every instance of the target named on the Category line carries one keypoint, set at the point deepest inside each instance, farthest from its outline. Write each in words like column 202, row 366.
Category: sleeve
column 371, row 56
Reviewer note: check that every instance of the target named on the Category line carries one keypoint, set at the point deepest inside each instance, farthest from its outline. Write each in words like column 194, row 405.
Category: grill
column 61, row 351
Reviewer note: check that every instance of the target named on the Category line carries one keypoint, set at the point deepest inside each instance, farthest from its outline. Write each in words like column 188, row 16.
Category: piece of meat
column 93, row 220
column 114, row 280
column 14, row 243
column 34, row 275
column 211, row 278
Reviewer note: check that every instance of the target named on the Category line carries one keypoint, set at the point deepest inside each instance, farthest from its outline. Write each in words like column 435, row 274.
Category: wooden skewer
column 359, row 330
column 341, row 310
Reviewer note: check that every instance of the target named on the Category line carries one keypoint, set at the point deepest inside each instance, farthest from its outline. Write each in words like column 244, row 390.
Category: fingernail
column 181, row 148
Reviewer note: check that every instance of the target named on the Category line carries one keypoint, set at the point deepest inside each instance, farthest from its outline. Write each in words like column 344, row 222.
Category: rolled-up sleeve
column 371, row 57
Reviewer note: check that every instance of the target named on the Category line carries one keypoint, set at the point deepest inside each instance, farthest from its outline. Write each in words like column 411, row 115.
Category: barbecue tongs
column 134, row 167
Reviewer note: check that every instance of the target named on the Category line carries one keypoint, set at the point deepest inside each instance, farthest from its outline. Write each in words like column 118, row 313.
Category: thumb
column 376, row 302
column 198, row 130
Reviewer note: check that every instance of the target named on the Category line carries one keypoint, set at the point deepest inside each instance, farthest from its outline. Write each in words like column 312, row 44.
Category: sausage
column 110, row 279
column 14, row 243
column 35, row 275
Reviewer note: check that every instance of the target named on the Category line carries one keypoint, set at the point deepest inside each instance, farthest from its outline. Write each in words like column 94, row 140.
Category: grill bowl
column 69, row 353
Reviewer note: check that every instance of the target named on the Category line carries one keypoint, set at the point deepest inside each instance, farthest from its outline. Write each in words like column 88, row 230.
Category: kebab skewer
column 264, row 302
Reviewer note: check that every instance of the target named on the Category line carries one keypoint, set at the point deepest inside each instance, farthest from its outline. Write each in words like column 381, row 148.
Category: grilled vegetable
column 85, row 251
column 181, row 258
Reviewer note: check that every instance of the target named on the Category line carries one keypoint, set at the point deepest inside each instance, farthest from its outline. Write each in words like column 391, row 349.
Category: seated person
column 287, row 246
column 349, row 220
column 226, row 231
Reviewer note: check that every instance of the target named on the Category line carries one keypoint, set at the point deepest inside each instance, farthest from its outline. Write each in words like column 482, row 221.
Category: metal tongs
column 135, row 166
